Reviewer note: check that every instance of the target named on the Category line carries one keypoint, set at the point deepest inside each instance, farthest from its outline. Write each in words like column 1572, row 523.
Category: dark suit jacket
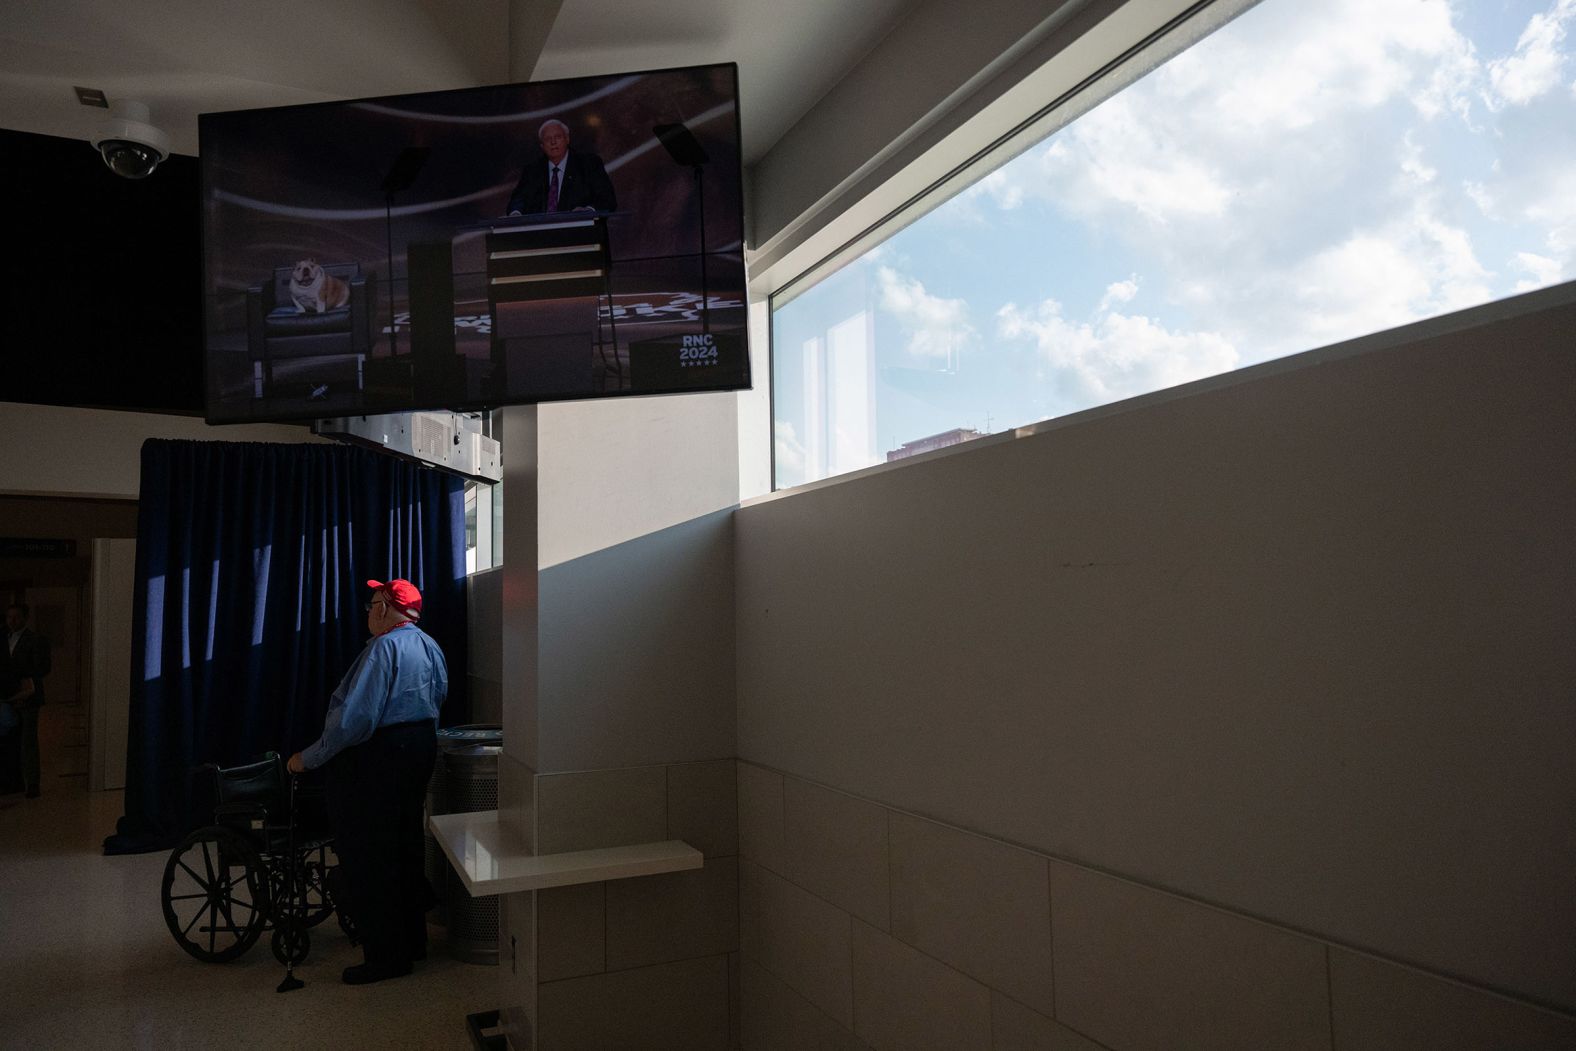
column 584, row 183
column 30, row 661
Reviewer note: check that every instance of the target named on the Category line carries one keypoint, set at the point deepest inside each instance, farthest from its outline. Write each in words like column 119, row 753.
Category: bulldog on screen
column 313, row 289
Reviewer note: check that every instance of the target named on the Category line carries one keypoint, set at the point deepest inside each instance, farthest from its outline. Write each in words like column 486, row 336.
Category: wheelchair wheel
column 318, row 904
column 215, row 894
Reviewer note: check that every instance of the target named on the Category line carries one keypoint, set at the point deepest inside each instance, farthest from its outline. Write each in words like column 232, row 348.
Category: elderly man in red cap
column 379, row 743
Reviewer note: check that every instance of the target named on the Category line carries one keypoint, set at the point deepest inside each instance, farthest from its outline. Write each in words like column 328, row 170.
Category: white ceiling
column 185, row 57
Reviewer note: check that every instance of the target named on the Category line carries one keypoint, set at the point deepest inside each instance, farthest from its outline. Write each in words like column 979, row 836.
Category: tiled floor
column 86, row 962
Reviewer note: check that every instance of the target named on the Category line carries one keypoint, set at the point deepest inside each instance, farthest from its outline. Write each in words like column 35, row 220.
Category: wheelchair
column 265, row 864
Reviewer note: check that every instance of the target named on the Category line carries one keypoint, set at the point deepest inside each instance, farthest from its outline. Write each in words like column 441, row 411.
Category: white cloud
column 1007, row 192
column 1402, row 270
column 1413, row 166
column 1296, row 179
column 1365, row 283
column 1330, row 58
column 1537, row 65
column 792, row 458
column 1006, row 189
column 1541, row 271
column 1245, row 130
column 1536, row 188
column 1112, row 355
column 1308, row 190
column 1119, row 292
column 1255, row 114
column 936, row 327
column 1533, row 183
column 1115, row 158
column 1552, row 204
column 1481, row 196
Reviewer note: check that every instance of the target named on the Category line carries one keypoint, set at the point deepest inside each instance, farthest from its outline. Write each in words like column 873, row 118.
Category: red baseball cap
column 402, row 595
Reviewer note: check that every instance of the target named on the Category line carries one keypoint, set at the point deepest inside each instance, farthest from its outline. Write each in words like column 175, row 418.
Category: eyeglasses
column 369, row 605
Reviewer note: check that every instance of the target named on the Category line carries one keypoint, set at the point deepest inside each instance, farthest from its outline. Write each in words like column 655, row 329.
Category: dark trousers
column 29, row 730
column 11, row 762
column 19, row 753
column 376, row 794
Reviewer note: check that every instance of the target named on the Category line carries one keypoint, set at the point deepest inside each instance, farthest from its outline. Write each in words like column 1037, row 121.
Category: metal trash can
column 464, row 780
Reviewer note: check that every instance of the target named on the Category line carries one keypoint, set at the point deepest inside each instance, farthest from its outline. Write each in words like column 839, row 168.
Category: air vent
column 431, row 436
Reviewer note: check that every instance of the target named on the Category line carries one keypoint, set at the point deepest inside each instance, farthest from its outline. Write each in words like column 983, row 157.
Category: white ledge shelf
column 492, row 859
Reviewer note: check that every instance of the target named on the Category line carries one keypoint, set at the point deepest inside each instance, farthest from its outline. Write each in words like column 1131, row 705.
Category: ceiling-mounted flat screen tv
column 475, row 248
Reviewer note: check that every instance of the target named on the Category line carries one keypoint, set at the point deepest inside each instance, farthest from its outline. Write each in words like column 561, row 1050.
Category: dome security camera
column 131, row 146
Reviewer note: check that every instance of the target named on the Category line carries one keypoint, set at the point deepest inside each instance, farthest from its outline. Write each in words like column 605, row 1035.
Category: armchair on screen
column 276, row 331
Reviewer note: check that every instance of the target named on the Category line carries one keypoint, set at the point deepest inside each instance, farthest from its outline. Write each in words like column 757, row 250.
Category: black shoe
column 32, row 793
column 366, row 973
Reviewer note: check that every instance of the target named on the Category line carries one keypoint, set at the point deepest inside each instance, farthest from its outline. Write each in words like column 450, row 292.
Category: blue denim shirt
column 401, row 677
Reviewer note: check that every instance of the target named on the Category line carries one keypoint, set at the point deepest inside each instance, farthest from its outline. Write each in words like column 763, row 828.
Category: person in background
column 560, row 179
column 23, row 664
column 10, row 740
column 378, row 747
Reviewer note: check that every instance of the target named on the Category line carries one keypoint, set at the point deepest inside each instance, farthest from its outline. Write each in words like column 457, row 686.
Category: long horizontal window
column 1309, row 173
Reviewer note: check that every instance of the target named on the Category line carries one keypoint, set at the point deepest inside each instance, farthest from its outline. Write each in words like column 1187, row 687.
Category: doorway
column 47, row 549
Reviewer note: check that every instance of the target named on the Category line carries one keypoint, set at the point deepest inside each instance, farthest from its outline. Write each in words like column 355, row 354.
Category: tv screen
column 475, row 248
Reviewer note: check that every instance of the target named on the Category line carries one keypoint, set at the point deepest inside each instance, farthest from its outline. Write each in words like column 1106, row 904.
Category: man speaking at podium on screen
column 561, row 179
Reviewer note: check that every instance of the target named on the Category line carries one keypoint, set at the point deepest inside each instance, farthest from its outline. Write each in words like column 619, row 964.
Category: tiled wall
column 1226, row 639
column 866, row 927
column 649, row 962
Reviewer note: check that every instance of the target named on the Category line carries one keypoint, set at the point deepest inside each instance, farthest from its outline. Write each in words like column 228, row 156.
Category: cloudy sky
column 1307, row 174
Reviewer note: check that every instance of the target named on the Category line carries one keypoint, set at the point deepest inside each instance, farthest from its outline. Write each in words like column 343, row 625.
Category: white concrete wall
column 98, row 452
column 637, row 652
column 610, row 532
column 1296, row 642
column 617, row 669
column 617, row 469
column 517, row 607
column 484, row 661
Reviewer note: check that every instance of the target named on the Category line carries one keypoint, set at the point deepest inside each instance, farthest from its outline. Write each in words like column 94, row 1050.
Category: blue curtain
column 252, row 562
